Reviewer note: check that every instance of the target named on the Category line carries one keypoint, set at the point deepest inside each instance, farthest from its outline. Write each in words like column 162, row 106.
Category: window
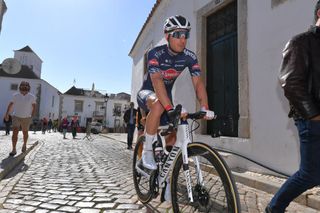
column 117, row 110
column 52, row 102
column 14, row 87
column 99, row 106
column 78, row 106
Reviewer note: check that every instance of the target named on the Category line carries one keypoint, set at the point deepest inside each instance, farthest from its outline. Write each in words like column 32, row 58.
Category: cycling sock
column 147, row 145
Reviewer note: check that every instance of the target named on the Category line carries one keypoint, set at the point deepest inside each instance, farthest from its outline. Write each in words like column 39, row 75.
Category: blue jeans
column 308, row 175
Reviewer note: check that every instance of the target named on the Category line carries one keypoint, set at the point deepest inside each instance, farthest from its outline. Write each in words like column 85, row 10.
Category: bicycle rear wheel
column 143, row 184
column 216, row 192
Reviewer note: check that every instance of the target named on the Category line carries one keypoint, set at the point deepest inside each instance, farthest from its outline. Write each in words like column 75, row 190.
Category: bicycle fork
column 183, row 139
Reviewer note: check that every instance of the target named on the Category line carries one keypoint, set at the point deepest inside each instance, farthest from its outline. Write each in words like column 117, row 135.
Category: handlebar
column 174, row 124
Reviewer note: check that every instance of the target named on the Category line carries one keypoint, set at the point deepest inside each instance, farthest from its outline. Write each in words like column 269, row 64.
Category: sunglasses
column 180, row 34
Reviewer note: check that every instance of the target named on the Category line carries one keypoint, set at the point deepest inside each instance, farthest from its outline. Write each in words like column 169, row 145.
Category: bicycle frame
column 183, row 139
column 194, row 178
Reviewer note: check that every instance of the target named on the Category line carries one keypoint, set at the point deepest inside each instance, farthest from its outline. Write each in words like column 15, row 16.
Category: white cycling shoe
column 148, row 160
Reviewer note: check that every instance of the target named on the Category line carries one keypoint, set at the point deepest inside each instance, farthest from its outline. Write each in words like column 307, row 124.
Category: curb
column 262, row 184
column 11, row 164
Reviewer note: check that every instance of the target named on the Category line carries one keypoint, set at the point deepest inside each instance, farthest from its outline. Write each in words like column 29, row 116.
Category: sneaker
column 13, row 153
column 148, row 160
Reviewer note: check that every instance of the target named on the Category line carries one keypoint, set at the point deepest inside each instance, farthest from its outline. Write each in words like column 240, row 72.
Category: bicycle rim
column 142, row 184
column 216, row 193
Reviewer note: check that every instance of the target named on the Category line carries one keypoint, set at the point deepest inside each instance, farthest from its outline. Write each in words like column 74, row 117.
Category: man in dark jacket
column 300, row 79
column 130, row 119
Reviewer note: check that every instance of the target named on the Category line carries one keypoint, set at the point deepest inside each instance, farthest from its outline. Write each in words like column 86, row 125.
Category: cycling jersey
column 169, row 66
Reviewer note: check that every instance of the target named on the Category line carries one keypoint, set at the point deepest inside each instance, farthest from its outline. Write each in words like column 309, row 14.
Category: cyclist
column 165, row 63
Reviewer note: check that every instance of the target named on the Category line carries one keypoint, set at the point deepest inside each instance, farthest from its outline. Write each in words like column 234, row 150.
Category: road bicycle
column 200, row 179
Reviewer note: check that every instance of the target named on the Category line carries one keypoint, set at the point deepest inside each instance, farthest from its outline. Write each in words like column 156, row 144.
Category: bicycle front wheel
column 213, row 187
column 142, row 183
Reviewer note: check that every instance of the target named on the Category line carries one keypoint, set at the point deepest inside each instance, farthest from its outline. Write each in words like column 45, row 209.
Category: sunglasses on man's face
column 180, row 34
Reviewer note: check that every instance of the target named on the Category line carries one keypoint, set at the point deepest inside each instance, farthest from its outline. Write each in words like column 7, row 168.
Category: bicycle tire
column 142, row 185
column 218, row 193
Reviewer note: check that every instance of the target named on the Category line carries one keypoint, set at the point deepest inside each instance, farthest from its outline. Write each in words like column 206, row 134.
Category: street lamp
column 106, row 98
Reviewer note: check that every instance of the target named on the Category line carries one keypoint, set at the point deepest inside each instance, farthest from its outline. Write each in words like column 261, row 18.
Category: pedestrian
column 130, row 120
column 22, row 106
column 34, row 125
column 55, row 125
column 8, row 123
column 44, row 125
column 50, row 125
column 64, row 126
column 74, row 126
column 300, row 79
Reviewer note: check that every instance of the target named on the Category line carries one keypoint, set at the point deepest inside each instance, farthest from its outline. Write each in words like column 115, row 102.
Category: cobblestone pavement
column 89, row 176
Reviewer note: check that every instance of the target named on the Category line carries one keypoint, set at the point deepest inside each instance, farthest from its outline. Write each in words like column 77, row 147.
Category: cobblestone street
column 72, row 175
column 89, row 176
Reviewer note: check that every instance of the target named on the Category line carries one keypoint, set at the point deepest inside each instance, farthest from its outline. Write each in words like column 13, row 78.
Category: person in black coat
column 130, row 120
column 299, row 78
column 8, row 123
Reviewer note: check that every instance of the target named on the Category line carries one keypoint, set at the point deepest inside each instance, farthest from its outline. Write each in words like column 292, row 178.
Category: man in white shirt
column 22, row 106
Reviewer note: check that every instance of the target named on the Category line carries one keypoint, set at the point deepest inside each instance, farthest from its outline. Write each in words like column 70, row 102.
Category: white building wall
column 89, row 106
column 273, row 138
column 110, row 116
column 49, row 108
column 273, row 135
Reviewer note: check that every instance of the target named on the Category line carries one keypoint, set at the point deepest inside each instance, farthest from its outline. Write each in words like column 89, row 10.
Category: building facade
column 85, row 104
column 116, row 107
column 105, row 108
column 239, row 47
column 47, row 96
column 52, row 104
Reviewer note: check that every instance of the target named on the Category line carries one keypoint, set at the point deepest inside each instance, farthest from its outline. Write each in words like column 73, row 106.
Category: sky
column 81, row 41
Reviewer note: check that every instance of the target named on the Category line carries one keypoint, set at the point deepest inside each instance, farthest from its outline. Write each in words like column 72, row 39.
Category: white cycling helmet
column 176, row 22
